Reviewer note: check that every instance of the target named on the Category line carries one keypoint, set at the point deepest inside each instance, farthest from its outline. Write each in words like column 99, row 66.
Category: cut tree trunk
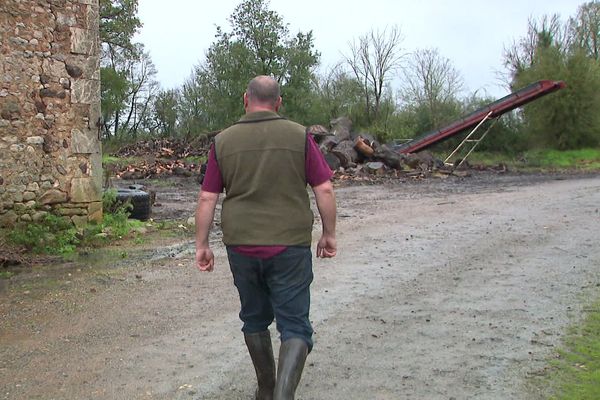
column 363, row 147
column 391, row 158
column 328, row 143
column 346, row 153
column 332, row 161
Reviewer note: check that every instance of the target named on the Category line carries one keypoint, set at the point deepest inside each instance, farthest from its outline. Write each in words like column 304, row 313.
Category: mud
column 442, row 289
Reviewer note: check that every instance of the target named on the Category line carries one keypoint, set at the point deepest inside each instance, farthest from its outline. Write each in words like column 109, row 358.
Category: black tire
column 140, row 201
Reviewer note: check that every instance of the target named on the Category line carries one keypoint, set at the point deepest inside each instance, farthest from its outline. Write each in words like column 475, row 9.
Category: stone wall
column 50, row 153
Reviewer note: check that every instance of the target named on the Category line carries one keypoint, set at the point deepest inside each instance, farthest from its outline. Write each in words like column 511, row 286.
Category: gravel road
column 442, row 289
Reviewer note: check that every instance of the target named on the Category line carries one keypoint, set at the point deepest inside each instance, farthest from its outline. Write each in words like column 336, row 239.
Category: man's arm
column 205, row 212
column 325, row 197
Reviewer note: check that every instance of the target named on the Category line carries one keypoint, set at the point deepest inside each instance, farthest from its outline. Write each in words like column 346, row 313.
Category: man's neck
column 258, row 109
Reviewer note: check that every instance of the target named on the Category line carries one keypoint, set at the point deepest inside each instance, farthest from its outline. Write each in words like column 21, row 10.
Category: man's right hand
column 205, row 259
column 326, row 247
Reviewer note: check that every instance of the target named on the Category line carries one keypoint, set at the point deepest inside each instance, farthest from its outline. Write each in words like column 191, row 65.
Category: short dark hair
column 264, row 89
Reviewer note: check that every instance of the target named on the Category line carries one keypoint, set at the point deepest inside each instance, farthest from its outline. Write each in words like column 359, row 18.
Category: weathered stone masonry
column 50, row 153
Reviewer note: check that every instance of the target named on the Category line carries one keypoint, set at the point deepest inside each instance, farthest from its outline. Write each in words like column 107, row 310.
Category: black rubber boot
column 261, row 351
column 292, row 356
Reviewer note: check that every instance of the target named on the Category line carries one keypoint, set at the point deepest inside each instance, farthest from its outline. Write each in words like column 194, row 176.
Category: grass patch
column 6, row 274
column 575, row 374
column 108, row 160
column 195, row 159
column 55, row 235
column 582, row 160
column 52, row 235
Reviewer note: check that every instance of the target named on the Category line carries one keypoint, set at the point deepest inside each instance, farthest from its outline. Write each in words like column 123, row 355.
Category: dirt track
column 444, row 289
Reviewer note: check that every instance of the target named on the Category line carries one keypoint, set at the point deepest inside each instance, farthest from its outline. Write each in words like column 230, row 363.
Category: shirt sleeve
column 317, row 169
column 213, row 181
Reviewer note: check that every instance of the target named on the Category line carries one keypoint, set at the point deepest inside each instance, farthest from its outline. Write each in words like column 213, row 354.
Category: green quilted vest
column 261, row 159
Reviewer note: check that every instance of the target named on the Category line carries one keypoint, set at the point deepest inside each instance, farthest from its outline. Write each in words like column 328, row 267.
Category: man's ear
column 278, row 103
column 245, row 100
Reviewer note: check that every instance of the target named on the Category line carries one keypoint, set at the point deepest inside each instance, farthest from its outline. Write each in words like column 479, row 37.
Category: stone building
column 50, row 152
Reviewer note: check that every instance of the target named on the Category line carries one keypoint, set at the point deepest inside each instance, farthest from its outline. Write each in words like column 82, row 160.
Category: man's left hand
column 205, row 259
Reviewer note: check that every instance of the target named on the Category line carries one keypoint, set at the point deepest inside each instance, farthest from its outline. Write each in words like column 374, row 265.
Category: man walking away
column 264, row 162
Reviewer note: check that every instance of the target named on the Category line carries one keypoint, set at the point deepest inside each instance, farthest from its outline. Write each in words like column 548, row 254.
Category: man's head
column 262, row 94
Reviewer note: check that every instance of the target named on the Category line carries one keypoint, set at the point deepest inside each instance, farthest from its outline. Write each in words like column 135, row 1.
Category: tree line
column 379, row 85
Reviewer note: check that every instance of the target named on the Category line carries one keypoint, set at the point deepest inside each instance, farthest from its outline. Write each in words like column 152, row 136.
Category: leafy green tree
column 339, row 94
column 258, row 44
column 113, row 93
column 127, row 72
column 118, row 24
column 567, row 119
column 166, row 112
column 192, row 110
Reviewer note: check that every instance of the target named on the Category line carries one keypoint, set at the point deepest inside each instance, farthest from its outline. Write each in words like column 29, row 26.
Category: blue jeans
column 275, row 288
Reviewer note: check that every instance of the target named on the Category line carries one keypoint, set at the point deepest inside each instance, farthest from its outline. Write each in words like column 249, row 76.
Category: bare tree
column 432, row 82
column 373, row 60
column 545, row 32
column 584, row 29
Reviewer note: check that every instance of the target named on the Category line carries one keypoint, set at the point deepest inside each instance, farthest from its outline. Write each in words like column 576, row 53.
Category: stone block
column 27, row 196
column 35, row 140
column 9, row 218
column 38, row 216
column 53, row 196
column 53, row 69
column 83, row 66
column 84, row 142
column 96, row 171
column 95, row 211
column 26, row 218
column 74, row 71
column 84, row 41
column 84, row 190
column 80, row 221
column 85, row 91
column 92, row 18
column 71, row 211
column 95, row 116
column 65, row 19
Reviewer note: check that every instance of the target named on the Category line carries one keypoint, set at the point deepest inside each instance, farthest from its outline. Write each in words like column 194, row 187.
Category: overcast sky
column 471, row 33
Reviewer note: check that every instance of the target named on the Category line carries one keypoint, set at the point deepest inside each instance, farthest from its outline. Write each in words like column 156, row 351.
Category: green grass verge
column 108, row 160
column 575, row 374
column 581, row 160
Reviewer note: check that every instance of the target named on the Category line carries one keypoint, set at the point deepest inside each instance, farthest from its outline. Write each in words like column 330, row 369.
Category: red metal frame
column 497, row 108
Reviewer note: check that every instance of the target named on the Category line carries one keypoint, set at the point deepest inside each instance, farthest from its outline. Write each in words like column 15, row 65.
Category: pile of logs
column 344, row 149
